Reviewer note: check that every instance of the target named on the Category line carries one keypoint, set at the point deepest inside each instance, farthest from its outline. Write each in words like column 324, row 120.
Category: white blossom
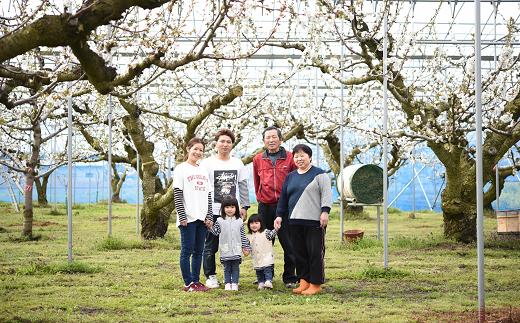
column 417, row 119
column 506, row 118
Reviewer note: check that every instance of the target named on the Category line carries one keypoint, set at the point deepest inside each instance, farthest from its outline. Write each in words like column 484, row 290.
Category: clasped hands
column 208, row 223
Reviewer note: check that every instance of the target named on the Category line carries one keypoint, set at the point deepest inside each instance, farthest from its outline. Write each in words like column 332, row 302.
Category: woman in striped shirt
column 192, row 194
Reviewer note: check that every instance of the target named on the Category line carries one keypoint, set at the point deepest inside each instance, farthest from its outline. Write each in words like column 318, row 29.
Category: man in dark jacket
column 270, row 168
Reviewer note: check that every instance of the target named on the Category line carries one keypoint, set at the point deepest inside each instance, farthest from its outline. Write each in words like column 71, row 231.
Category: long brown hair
column 192, row 143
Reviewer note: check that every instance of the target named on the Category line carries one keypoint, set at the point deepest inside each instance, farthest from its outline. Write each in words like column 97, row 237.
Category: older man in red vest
column 270, row 168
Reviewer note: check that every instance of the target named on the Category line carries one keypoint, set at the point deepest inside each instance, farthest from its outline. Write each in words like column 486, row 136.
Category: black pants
column 309, row 252
column 210, row 249
column 268, row 213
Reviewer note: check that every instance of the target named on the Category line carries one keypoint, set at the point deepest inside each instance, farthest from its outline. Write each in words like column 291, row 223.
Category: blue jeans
column 231, row 271
column 192, row 244
column 210, row 249
column 265, row 274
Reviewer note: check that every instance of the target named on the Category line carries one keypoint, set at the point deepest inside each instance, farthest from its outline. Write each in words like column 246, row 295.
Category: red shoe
column 190, row 288
column 199, row 287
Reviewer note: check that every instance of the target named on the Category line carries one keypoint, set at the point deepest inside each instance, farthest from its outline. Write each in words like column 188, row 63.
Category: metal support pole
column 54, row 175
column 169, row 172
column 479, row 172
column 137, row 215
column 378, row 222
column 109, row 165
column 74, row 179
column 89, row 190
column 341, row 151
column 316, row 102
column 69, row 187
column 405, row 187
column 424, row 194
column 385, row 140
column 434, row 181
column 495, row 7
column 497, row 177
column 413, row 180
column 109, row 199
column 495, row 11
column 12, row 195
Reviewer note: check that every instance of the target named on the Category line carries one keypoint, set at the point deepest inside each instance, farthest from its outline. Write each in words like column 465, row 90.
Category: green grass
column 373, row 272
column 126, row 279
column 111, row 243
column 74, row 267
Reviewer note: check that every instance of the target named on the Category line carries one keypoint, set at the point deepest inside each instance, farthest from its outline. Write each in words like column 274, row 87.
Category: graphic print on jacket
column 225, row 184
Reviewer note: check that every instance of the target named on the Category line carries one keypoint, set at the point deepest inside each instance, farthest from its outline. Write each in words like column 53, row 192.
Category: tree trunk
column 157, row 204
column 154, row 217
column 117, row 184
column 460, row 225
column 459, row 202
column 41, row 189
column 29, row 181
column 154, row 222
column 28, row 205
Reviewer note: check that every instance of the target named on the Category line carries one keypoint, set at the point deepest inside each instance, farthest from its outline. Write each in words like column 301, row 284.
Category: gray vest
column 230, row 242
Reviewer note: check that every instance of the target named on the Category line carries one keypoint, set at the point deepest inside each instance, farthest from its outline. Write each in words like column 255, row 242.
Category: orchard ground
column 126, row 279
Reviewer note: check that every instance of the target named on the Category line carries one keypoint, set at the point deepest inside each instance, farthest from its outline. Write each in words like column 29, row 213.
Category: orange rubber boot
column 313, row 289
column 303, row 286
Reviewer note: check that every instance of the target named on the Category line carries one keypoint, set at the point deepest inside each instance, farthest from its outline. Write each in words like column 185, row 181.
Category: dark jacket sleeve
column 282, row 208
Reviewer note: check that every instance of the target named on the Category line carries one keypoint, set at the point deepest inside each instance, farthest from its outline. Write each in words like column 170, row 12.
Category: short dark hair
column 302, row 148
column 225, row 132
column 255, row 218
column 278, row 131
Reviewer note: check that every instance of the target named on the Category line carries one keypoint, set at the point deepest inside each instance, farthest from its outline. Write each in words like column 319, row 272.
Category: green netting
column 367, row 184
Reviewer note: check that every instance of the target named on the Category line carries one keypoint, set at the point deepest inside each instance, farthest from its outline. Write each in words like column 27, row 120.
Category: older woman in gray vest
column 232, row 241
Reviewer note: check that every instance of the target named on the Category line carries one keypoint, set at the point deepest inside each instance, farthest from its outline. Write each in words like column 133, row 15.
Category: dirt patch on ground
column 105, row 218
column 38, row 224
column 498, row 315
column 89, row 310
column 47, row 223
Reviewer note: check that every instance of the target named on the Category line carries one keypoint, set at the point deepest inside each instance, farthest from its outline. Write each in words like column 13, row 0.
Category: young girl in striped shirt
column 232, row 241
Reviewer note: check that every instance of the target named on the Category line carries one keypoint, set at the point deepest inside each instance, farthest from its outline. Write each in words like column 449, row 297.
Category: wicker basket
column 353, row 235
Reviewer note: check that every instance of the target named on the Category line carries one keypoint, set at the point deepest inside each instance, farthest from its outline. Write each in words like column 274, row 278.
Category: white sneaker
column 260, row 285
column 228, row 287
column 234, row 286
column 212, row 282
column 268, row 284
